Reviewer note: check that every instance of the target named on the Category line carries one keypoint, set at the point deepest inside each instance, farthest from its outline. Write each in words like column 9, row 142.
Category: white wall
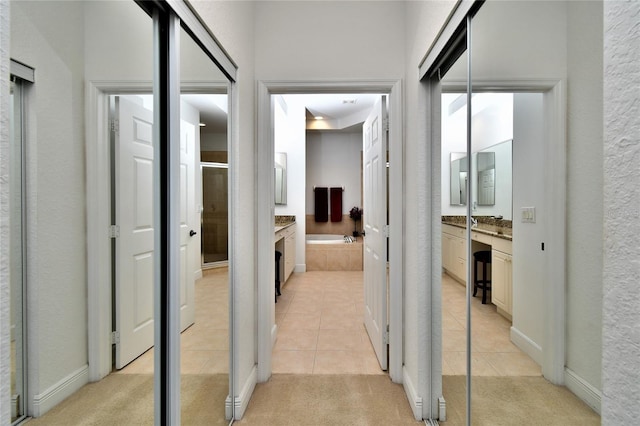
column 329, row 40
column 621, row 341
column 529, row 261
column 333, row 160
column 289, row 133
column 585, row 198
column 47, row 36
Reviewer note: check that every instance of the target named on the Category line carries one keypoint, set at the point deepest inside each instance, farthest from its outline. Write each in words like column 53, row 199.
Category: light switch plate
column 528, row 214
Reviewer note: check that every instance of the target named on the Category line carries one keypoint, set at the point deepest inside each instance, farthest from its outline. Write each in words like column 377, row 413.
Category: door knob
column 192, row 233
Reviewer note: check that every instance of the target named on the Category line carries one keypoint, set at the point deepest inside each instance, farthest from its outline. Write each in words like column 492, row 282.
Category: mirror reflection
column 458, row 179
column 485, row 189
column 491, row 161
column 281, row 178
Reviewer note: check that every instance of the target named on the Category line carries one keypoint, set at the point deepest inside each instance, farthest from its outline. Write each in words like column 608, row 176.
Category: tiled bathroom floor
column 493, row 354
column 320, row 326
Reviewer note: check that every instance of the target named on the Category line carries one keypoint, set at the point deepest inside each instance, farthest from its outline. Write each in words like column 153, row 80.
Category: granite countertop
column 282, row 222
column 495, row 227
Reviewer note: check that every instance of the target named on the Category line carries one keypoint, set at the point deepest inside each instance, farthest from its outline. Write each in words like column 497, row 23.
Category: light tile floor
column 320, row 326
column 320, row 330
column 493, row 354
column 204, row 347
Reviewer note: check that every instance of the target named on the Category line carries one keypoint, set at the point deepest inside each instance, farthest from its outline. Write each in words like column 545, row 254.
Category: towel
column 321, row 196
column 336, row 204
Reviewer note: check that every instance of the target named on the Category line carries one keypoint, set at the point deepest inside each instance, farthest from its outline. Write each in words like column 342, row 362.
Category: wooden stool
column 483, row 257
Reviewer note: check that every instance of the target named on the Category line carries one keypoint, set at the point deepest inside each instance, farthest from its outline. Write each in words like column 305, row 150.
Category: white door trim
column 555, row 102
column 265, row 210
column 99, row 297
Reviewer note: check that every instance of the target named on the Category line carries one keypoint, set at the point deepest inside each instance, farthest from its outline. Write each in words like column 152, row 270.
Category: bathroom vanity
column 484, row 237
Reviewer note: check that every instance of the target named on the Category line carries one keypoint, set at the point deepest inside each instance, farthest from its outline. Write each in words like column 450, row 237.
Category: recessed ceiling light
column 319, row 117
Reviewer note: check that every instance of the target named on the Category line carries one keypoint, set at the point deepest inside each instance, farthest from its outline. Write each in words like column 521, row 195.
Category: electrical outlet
column 528, row 214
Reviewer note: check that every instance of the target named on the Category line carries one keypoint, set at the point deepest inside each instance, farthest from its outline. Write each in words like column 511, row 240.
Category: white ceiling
column 332, row 107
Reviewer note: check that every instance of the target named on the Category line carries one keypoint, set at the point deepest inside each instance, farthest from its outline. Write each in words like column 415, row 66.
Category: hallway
column 320, row 326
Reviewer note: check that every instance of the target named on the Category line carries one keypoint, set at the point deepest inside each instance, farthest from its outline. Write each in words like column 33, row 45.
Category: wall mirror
column 493, row 187
column 281, row 178
column 486, row 189
column 458, row 181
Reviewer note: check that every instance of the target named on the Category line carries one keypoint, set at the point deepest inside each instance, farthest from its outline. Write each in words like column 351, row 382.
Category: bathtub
column 326, row 252
column 325, row 239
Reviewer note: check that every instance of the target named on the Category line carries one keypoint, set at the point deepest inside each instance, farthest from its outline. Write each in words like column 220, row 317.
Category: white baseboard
column 415, row 401
column 300, row 267
column 57, row 393
column 243, row 397
column 198, row 274
column 527, row 345
column 583, row 390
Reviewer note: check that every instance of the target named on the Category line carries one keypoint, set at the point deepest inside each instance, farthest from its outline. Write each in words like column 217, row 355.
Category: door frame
column 99, row 258
column 265, row 210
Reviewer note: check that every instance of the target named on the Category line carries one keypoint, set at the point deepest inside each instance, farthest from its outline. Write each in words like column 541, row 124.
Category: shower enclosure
column 215, row 215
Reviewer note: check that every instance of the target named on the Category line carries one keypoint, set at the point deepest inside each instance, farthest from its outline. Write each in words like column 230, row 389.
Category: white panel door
column 134, row 216
column 375, row 223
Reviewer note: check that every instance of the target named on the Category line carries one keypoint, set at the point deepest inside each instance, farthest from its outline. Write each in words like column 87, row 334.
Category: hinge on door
column 385, row 336
column 115, row 125
column 114, row 231
column 115, row 337
column 386, row 231
column 385, row 124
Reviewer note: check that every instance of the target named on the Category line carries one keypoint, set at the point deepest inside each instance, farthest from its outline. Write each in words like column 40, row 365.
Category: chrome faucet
column 474, row 222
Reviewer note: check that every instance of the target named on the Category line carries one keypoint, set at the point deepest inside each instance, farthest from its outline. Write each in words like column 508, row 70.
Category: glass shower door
column 215, row 215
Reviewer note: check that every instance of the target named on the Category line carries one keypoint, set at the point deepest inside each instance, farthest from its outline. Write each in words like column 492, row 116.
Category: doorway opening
column 267, row 334
column 318, row 143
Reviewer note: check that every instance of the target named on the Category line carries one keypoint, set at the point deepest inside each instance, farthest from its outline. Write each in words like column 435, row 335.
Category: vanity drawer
column 480, row 237
column 453, row 230
column 501, row 245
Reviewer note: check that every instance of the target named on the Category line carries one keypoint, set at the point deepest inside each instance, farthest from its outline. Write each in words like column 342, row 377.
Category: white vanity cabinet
column 454, row 252
column 289, row 252
column 454, row 261
column 502, row 276
column 285, row 242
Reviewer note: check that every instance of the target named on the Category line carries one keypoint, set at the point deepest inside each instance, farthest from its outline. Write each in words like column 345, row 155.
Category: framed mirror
column 458, row 181
column 281, row 178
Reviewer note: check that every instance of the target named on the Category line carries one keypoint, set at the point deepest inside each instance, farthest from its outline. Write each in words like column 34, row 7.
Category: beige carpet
column 128, row 400
column 289, row 399
column 286, row 399
column 498, row 401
